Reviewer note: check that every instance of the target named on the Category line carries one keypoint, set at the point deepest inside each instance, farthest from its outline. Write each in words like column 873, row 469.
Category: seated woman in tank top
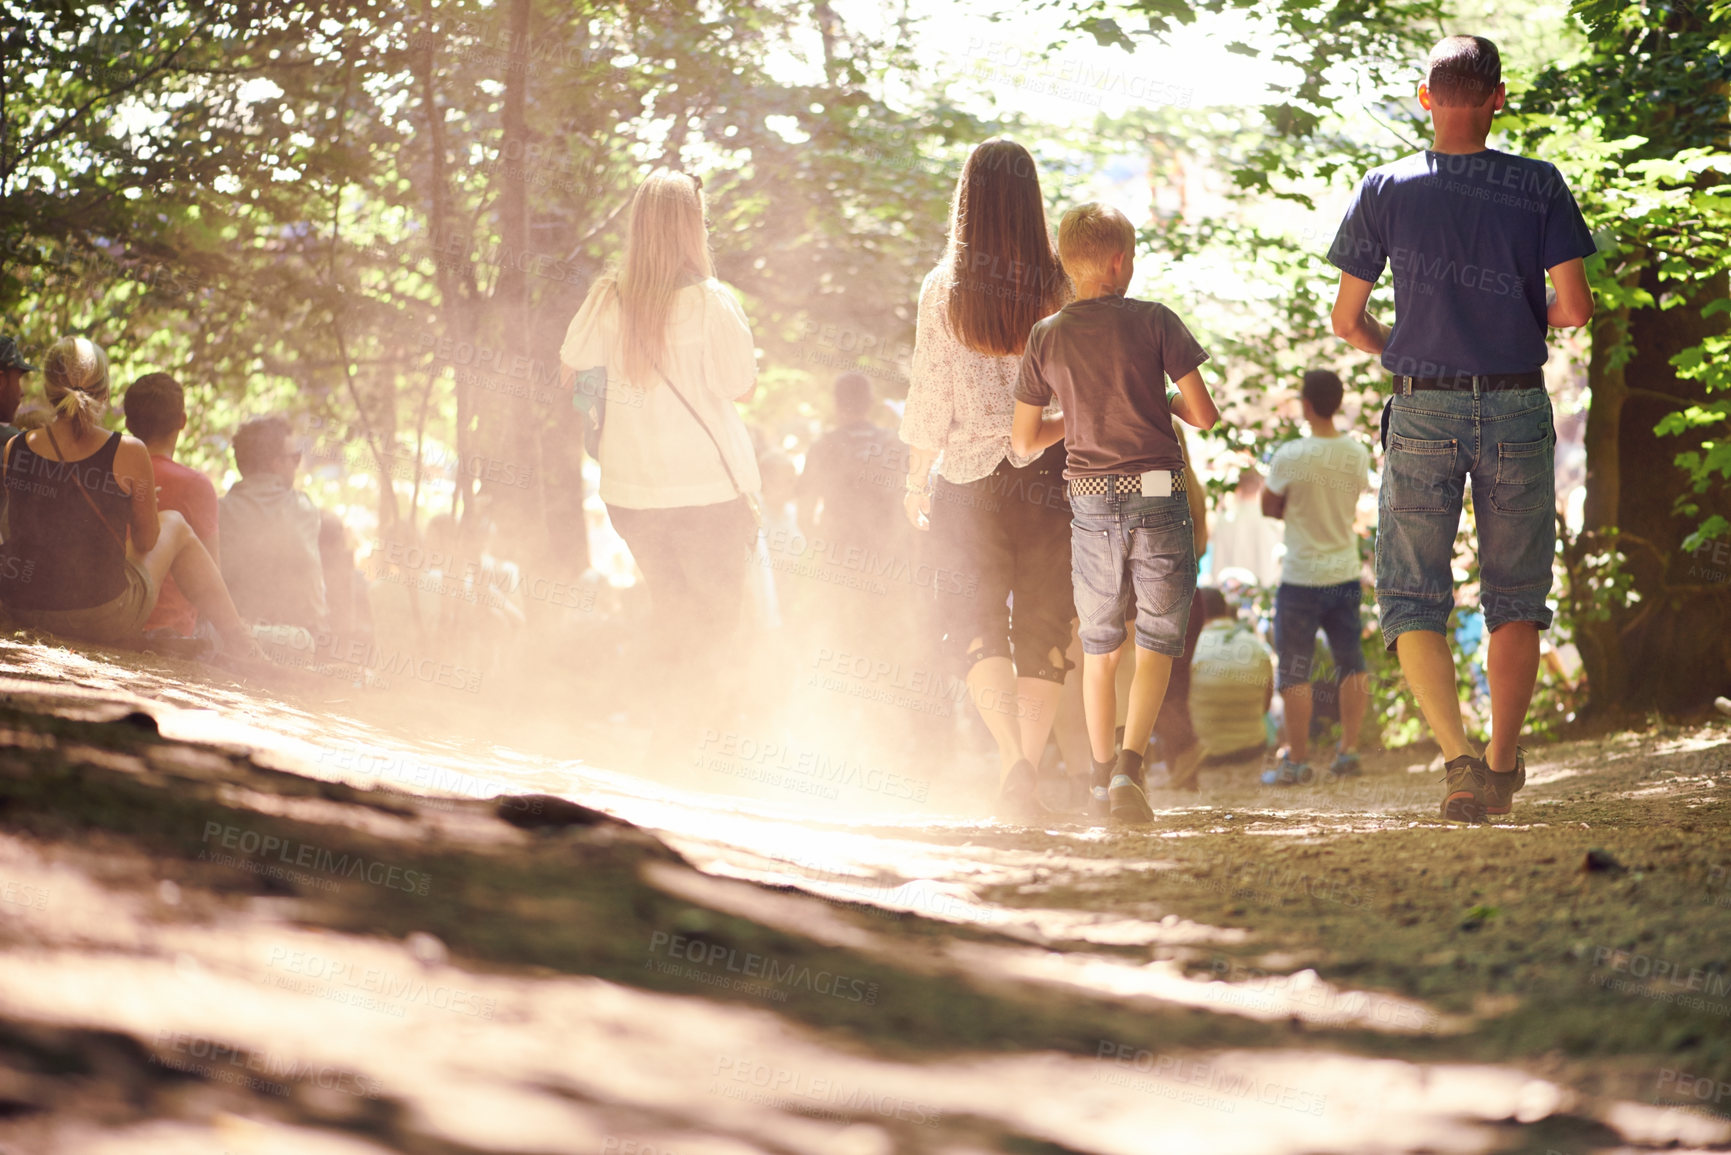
column 86, row 550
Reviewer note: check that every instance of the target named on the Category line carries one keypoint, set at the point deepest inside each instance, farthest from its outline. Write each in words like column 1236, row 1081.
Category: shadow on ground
column 238, row 943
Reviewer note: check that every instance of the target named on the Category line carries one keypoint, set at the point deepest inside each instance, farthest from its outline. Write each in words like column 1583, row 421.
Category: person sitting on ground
column 88, row 552
column 1314, row 483
column 270, row 532
column 13, row 366
column 500, row 589
column 1103, row 357
column 155, row 414
column 1231, row 683
column 847, row 493
column 347, row 604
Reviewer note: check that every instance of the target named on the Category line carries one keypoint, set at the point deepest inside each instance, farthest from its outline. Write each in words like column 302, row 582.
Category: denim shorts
column 1434, row 440
column 1129, row 549
column 1299, row 611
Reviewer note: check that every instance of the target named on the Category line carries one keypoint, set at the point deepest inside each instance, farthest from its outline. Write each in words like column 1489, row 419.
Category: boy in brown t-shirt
column 1103, row 356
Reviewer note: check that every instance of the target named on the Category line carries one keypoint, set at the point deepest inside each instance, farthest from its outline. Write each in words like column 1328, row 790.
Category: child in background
column 1103, row 357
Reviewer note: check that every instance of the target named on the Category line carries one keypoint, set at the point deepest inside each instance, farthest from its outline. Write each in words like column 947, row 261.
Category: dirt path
column 244, row 923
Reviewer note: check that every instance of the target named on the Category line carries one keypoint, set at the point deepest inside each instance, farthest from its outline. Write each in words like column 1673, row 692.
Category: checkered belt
column 1130, row 485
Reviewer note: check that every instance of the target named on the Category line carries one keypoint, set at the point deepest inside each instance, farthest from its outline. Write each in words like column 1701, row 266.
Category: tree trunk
column 450, row 254
column 1597, row 639
column 508, row 421
column 1671, row 649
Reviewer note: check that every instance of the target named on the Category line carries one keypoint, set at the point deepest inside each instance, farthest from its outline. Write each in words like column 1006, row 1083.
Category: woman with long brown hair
column 667, row 348
column 1001, row 519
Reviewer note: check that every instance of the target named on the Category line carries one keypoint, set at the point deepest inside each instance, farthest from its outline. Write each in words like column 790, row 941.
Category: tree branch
column 1655, row 395
column 33, row 143
column 597, row 230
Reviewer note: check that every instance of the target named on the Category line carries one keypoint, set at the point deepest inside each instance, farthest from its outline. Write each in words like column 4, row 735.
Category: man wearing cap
column 13, row 366
column 1471, row 234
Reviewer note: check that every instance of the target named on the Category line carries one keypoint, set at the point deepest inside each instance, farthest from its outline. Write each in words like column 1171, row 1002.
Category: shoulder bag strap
column 704, row 425
column 79, row 486
column 5, row 493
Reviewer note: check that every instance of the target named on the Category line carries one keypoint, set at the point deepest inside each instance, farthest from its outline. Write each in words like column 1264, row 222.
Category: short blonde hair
column 1089, row 237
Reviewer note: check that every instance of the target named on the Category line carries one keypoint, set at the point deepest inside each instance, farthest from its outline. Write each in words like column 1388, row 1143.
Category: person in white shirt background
column 1314, row 483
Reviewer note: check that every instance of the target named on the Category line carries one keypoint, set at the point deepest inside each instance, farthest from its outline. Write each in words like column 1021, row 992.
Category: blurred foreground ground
column 251, row 923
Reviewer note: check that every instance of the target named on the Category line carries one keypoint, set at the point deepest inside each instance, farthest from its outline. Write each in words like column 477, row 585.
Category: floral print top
column 960, row 402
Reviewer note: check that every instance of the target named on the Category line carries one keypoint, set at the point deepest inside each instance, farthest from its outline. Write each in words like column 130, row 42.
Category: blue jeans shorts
column 1434, row 441
column 1299, row 611
column 1126, row 549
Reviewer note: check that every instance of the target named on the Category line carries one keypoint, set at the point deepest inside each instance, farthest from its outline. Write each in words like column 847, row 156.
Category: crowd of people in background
column 1034, row 523
column 111, row 538
column 1046, row 461
column 107, row 538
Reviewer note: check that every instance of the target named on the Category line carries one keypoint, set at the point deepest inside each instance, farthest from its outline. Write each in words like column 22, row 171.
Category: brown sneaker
column 1464, row 798
column 1500, row 785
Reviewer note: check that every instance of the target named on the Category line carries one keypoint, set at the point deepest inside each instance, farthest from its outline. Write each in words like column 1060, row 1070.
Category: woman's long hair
column 1004, row 270
column 666, row 245
column 75, row 381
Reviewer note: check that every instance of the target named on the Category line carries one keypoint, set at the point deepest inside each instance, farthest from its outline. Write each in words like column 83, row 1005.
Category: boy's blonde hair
column 1089, row 237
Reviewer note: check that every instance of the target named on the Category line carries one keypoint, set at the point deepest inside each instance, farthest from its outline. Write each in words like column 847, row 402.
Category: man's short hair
column 853, row 393
column 258, row 443
column 1212, row 603
column 1322, row 389
column 1464, row 71
column 155, row 406
column 1089, row 237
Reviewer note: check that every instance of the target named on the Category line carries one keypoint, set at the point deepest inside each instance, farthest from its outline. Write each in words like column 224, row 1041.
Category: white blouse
column 652, row 454
column 959, row 401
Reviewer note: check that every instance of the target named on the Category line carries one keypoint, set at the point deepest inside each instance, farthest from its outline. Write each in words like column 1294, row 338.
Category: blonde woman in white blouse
column 1001, row 519
column 670, row 347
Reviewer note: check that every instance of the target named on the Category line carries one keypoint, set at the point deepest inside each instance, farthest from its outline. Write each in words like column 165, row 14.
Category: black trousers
column 694, row 560
column 1007, row 537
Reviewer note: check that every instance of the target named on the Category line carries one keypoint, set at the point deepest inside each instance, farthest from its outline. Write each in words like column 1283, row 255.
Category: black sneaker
column 1464, row 797
column 1501, row 785
column 1129, row 804
column 1019, row 796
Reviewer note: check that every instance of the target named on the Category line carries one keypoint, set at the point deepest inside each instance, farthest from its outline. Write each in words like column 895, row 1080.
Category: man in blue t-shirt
column 1471, row 234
